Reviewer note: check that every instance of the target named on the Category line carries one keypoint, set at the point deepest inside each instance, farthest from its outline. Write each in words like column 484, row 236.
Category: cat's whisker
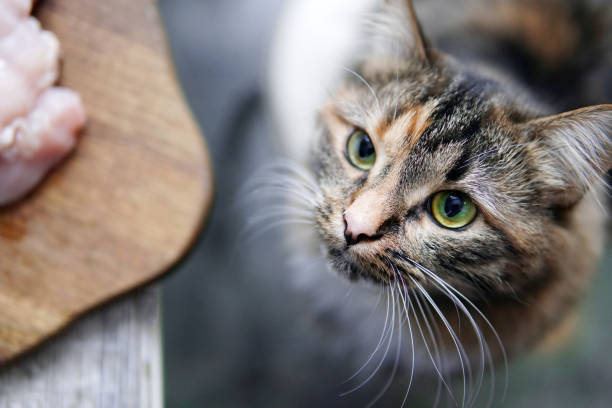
column 283, row 184
column 367, row 84
column 280, row 214
column 289, row 207
column 378, row 298
column 283, row 191
column 484, row 350
column 280, row 211
column 403, row 294
column 458, row 298
column 437, row 365
column 264, row 219
column 434, row 334
column 273, row 172
column 286, row 194
column 284, row 175
column 396, row 361
column 384, row 356
column 251, row 233
column 380, row 342
column 434, row 361
column 462, row 355
column 284, row 165
column 279, row 183
column 489, row 357
column 297, row 169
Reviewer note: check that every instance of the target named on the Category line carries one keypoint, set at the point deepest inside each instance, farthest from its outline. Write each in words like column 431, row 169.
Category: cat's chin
column 357, row 265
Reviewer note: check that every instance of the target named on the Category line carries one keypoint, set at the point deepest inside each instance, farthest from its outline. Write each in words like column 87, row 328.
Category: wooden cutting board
column 129, row 202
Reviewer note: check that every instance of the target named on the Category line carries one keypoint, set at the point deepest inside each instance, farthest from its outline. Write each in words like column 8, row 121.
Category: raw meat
column 38, row 123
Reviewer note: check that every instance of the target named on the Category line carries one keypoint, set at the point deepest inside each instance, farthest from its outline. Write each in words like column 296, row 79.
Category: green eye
column 360, row 150
column 452, row 209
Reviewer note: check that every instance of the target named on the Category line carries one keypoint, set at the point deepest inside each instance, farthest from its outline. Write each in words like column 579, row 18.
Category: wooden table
column 111, row 358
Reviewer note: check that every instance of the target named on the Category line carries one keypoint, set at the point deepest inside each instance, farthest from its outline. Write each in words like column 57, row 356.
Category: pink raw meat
column 21, row 8
column 33, row 53
column 38, row 123
column 31, row 145
column 11, row 11
column 8, row 20
column 17, row 97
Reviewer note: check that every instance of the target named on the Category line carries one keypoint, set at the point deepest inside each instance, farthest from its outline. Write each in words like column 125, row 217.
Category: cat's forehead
column 382, row 96
column 424, row 112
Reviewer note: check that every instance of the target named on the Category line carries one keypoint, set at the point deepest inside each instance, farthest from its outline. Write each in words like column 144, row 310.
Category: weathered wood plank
column 109, row 359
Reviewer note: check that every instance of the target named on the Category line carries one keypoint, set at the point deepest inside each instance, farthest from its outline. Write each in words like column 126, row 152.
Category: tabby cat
column 448, row 181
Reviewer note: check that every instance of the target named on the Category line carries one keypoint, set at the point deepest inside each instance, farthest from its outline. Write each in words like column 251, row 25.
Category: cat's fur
column 512, row 279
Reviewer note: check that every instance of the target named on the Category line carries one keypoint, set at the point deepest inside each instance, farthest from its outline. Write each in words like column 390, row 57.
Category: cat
column 461, row 184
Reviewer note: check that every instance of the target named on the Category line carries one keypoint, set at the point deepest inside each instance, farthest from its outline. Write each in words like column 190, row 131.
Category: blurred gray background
column 231, row 333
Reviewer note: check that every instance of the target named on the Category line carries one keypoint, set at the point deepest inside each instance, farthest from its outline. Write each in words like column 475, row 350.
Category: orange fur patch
column 410, row 124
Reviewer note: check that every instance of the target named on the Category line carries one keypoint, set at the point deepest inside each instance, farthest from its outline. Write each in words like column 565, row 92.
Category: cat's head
column 427, row 167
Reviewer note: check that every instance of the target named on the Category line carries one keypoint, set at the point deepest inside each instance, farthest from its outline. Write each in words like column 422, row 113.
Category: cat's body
column 478, row 128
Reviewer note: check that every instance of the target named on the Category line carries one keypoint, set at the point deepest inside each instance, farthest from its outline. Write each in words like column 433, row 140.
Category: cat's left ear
column 572, row 151
column 397, row 29
column 421, row 44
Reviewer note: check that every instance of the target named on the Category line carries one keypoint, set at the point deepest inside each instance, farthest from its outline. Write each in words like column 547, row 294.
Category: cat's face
column 431, row 170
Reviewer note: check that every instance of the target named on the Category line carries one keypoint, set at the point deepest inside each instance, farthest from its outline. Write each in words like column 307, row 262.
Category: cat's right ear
column 572, row 151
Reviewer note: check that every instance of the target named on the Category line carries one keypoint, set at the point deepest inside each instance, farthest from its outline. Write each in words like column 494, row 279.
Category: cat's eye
column 452, row 209
column 360, row 150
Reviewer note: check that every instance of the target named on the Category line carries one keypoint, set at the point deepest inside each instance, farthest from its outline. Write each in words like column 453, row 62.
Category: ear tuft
column 572, row 151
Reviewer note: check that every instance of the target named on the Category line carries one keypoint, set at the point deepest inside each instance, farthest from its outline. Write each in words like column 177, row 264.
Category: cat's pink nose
column 365, row 216
column 359, row 227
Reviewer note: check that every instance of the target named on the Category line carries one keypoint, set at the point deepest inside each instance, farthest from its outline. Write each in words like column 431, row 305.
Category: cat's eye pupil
column 453, row 205
column 366, row 148
column 452, row 209
column 360, row 150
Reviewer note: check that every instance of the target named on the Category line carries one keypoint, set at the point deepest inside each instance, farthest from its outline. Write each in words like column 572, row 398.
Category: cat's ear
column 421, row 45
column 397, row 29
column 572, row 151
